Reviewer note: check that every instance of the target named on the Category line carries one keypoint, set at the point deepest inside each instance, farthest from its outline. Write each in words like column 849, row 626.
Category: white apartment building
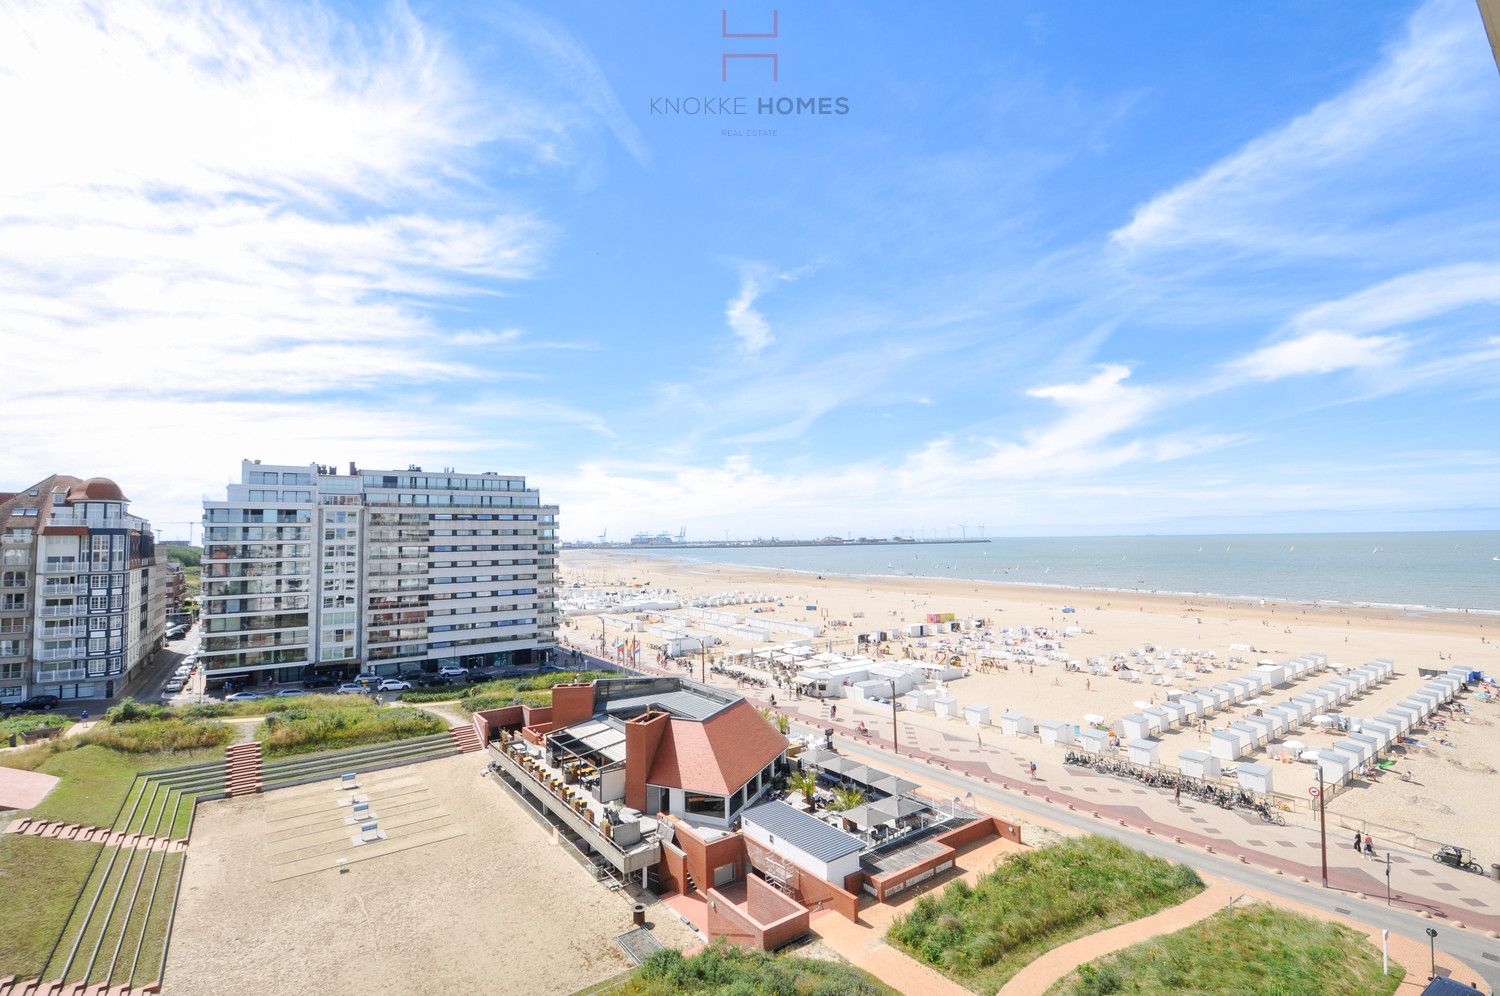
column 82, row 597
column 386, row 571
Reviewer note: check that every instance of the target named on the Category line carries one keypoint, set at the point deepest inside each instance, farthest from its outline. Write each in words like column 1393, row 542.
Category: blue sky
column 1059, row 269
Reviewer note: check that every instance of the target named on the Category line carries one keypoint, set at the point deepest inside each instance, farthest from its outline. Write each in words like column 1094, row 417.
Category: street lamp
column 1432, row 944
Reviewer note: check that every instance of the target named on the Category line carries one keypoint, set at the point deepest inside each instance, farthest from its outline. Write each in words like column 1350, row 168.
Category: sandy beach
column 1454, row 792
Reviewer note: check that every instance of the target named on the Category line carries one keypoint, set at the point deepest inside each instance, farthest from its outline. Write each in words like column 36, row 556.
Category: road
column 1480, row 953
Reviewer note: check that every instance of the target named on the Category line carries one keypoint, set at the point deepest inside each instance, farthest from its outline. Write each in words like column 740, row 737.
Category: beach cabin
column 1055, row 732
column 1422, row 704
column 1335, row 765
column 1372, row 741
column 1094, row 741
column 1226, row 745
column 1274, row 726
column 945, row 706
column 920, row 699
column 1198, row 764
column 1016, row 724
column 1290, row 718
column 1309, row 705
column 1461, row 674
column 1402, row 721
column 1413, row 714
column 1352, row 756
column 1191, row 706
column 1176, row 712
column 1143, row 751
column 1385, row 729
column 1359, row 748
column 1255, row 778
column 1255, row 736
column 915, row 629
column 1350, row 685
column 1252, row 683
column 1275, row 675
column 1158, row 717
column 977, row 715
column 1135, row 726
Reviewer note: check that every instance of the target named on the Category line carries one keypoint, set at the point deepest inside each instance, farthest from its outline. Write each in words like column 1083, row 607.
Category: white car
column 244, row 697
column 351, row 688
column 394, row 685
column 288, row 692
column 453, row 671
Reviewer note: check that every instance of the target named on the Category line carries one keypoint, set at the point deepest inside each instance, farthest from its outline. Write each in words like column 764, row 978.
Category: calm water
column 1440, row 570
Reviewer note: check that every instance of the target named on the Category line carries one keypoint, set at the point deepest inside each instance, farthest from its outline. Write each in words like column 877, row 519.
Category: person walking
column 1358, row 840
column 1033, row 771
column 1369, row 847
column 1177, row 795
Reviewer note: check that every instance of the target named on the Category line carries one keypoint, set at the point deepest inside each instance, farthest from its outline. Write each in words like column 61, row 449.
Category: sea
column 1420, row 570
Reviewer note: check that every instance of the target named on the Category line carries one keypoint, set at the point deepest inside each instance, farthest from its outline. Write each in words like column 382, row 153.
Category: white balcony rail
column 67, row 674
column 62, row 611
column 55, row 590
column 68, row 654
column 62, row 632
column 72, row 517
column 61, row 567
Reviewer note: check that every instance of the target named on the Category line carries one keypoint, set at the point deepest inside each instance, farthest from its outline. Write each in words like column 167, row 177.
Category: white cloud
column 744, row 320
column 1411, row 297
column 1292, row 189
column 1319, row 353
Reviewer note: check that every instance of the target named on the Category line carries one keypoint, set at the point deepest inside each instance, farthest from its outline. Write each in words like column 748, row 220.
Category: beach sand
column 1455, row 792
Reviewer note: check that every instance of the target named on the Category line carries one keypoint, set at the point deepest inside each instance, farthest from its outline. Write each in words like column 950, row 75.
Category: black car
column 37, row 703
column 320, row 681
column 433, row 681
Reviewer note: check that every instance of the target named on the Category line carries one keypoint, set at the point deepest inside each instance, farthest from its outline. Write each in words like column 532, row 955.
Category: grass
column 265, row 707
column 39, row 880
column 95, row 779
column 722, row 968
column 1255, row 949
column 310, row 730
column 25, row 722
column 534, row 690
column 981, row 935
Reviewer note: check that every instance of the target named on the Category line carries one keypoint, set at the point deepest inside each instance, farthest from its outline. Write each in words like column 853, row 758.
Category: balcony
column 12, row 540
column 526, row 766
column 62, row 611
column 57, row 566
column 67, row 674
column 55, row 590
column 67, row 654
column 63, row 632
column 73, row 517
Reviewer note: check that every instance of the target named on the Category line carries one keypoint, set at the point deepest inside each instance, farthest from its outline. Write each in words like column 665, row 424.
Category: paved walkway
column 1417, row 882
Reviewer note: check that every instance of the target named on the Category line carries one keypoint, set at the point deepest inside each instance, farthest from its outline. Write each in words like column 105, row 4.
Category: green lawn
column 1253, row 950
column 534, row 691
column 26, row 722
column 95, row 779
column 307, row 731
column 722, row 968
column 38, row 882
column 1035, row 901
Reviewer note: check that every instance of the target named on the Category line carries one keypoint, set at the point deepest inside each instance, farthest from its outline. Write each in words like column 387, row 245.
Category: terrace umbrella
column 863, row 774
column 859, row 816
column 838, row 765
column 892, row 809
column 1092, row 718
column 893, row 785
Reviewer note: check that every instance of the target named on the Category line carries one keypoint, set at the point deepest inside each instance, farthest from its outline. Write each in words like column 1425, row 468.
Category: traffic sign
column 1314, row 792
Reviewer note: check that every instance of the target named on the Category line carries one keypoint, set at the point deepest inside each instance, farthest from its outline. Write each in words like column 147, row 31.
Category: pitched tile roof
column 717, row 755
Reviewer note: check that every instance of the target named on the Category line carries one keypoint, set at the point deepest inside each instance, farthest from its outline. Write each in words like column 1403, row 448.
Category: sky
column 1024, row 268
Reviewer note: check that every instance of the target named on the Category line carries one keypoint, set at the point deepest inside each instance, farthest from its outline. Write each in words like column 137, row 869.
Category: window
column 704, row 805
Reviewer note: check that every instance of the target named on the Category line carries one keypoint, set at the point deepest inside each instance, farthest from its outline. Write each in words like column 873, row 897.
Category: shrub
column 25, row 722
column 131, row 711
column 150, row 736
column 304, row 730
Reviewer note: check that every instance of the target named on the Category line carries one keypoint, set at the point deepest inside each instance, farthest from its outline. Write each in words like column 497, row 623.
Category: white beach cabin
column 1094, row 741
column 1226, row 745
column 1054, row 732
column 1143, row 751
column 945, row 706
column 1255, row 778
column 1198, row 764
column 1015, row 724
column 977, row 715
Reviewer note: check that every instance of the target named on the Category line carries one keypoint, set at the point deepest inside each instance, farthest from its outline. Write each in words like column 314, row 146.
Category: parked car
column 177, row 632
column 481, row 674
column 288, row 692
column 395, row 685
column 351, row 688
column 453, row 671
column 174, row 685
column 320, row 681
column 243, row 697
column 37, row 703
column 434, row 681
column 182, row 673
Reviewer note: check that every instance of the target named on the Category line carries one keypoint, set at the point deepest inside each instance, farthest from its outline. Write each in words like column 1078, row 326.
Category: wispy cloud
column 1293, row 190
column 744, row 320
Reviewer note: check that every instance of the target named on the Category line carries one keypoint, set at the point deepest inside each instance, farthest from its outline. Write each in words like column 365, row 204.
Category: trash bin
column 638, row 914
column 1495, row 872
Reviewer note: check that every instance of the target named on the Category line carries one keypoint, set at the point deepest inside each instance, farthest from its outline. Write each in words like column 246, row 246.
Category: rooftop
column 807, row 833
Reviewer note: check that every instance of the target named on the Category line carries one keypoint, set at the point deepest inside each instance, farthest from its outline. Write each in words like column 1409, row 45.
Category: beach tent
column 1274, row 674
column 1054, row 732
column 1135, row 726
column 1225, row 745
column 1143, row 751
column 1255, row 778
column 977, row 715
column 1198, row 764
column 1094, row 741
column 1289, row 716
column 945, row 706
column 1014, row 724
column 1256, row 736
column 1158, row 716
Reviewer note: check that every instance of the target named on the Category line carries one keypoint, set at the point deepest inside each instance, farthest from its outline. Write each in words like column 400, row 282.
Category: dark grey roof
column 802, row 831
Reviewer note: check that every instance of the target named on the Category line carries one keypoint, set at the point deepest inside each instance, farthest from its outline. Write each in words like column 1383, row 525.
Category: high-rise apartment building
column 384, row 571
column 82, row 597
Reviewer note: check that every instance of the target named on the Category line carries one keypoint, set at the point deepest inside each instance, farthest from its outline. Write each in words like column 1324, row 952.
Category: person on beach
column 1177, row 795
column 1369, row 847
column 1033, row 771
column 1358, row 840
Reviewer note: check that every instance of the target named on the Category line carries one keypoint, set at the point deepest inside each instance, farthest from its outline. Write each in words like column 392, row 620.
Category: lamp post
column 895, row 729
column 1323, row 823
column 1432, row 945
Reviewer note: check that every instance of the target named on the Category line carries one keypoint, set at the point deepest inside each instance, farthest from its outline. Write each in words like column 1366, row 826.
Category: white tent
column 1198, row 764
column 1143, row 751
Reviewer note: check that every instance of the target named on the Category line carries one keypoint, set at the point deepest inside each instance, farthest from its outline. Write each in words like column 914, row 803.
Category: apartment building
column 82, row 597
column 306, row 570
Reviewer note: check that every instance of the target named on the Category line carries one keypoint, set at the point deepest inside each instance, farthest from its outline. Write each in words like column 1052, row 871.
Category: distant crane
column 963, row 528
column 604, row 536
column 192, row 524
column 682, row 535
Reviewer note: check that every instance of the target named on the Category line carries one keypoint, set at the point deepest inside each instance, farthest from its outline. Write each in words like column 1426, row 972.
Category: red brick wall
column 702, row 857
column 673, row 861
column 572, row 704
column 981, row 829
column 490, row 723
column 642, row 736
column 811, row 889
column 766, row 921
